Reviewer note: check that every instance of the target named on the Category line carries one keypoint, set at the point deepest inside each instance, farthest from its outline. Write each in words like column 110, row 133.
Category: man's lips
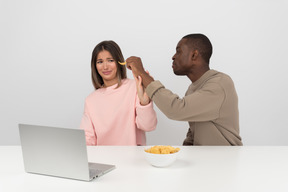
column 173, row 65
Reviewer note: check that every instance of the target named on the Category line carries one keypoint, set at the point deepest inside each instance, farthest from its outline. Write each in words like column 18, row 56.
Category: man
column 210, row 104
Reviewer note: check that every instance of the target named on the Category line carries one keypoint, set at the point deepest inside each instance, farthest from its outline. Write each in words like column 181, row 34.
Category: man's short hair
column 201, row 43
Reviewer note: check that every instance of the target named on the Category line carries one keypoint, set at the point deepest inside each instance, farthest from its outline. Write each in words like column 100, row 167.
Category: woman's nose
column 105, row 65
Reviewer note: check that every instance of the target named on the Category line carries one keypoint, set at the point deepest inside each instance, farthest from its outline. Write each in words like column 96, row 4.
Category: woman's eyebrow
column 108, row 58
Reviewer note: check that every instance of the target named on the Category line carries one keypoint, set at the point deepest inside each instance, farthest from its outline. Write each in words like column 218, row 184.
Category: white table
column 197, row 169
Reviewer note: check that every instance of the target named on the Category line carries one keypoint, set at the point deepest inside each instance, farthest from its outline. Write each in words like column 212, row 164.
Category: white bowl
column 160, row 160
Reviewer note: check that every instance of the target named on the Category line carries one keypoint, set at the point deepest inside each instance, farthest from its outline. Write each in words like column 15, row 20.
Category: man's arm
column 202, row 105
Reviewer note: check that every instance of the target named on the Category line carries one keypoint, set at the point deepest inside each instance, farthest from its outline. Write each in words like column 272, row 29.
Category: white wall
column 46, row 47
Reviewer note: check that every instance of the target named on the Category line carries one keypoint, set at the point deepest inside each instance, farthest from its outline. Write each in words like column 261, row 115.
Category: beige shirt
column 210, row 106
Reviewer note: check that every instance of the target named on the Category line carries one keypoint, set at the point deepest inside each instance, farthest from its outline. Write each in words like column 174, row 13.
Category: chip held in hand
column 124, row 63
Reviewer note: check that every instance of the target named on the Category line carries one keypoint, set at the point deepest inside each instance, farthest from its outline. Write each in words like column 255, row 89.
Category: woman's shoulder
column 128, row 82
column 91, row 95
column 126, row 85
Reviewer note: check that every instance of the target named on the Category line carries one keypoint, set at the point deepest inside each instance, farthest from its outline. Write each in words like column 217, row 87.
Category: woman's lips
column 106, row 72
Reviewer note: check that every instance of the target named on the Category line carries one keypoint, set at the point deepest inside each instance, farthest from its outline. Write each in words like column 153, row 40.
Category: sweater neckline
column 204, row 77
column 112, row 87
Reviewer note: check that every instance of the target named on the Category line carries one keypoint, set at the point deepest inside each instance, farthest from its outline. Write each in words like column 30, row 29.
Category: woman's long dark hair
column 116, row 53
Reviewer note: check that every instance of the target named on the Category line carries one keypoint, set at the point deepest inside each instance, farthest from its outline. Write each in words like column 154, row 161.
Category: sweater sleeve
column 87, row 126
column 202, row 105
column 146, row 118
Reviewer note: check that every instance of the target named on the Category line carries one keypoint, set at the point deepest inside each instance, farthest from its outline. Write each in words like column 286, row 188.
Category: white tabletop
column 198, row 169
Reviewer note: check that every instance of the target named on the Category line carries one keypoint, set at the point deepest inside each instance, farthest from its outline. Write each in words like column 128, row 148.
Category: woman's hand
column 143, row 97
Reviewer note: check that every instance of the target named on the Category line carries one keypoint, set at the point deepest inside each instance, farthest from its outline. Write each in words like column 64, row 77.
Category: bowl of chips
column 160, row 155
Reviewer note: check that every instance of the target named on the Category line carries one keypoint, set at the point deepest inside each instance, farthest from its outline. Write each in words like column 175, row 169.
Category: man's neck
column 197, row 74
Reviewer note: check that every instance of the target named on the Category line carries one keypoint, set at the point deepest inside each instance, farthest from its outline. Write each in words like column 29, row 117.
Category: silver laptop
column 58, row 152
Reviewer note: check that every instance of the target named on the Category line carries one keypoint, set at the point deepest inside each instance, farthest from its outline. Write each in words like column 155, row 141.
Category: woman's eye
column 111, row 60
column 99, row 62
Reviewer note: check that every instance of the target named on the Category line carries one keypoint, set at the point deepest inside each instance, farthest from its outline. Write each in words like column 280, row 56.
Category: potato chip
column 161, row 149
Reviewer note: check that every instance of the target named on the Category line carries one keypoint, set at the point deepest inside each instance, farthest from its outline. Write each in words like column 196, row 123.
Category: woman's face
column 107, row 68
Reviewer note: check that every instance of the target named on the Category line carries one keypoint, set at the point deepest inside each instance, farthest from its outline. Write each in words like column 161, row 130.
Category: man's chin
column 177, row 73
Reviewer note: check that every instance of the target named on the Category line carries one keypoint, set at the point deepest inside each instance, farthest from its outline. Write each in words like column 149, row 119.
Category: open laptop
column 59, row 152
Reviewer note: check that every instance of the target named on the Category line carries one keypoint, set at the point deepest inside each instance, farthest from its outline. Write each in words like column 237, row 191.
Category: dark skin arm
column 135, row 64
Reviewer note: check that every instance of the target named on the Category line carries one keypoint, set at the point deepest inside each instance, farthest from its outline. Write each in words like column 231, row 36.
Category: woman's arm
column 142, row 95
column 87, row 126
column 146, row 118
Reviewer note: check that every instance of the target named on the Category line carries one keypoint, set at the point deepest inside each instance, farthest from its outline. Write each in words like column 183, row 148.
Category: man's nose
column 173, row 57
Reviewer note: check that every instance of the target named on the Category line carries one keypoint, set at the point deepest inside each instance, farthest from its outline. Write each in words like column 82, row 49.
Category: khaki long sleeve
column 210, row 106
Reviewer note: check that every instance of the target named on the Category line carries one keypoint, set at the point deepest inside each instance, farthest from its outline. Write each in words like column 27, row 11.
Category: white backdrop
column 46, row 49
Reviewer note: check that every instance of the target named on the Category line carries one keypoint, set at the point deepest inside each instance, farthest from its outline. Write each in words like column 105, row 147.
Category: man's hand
column 135, row 64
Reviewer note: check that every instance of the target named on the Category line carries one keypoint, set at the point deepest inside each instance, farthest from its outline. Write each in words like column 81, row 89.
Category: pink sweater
column 115, row 116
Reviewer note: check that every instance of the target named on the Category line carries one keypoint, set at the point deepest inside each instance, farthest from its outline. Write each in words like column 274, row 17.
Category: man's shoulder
column 215, row 80
column 223, row 80
column 218, row 76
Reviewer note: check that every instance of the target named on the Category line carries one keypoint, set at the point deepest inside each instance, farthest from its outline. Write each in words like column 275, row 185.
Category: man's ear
column 195, row 54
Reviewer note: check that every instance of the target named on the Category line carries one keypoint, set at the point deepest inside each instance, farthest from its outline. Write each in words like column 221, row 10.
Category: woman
column 118, row 112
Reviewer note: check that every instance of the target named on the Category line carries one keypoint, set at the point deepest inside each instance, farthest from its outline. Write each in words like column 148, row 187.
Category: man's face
column 182, row 62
